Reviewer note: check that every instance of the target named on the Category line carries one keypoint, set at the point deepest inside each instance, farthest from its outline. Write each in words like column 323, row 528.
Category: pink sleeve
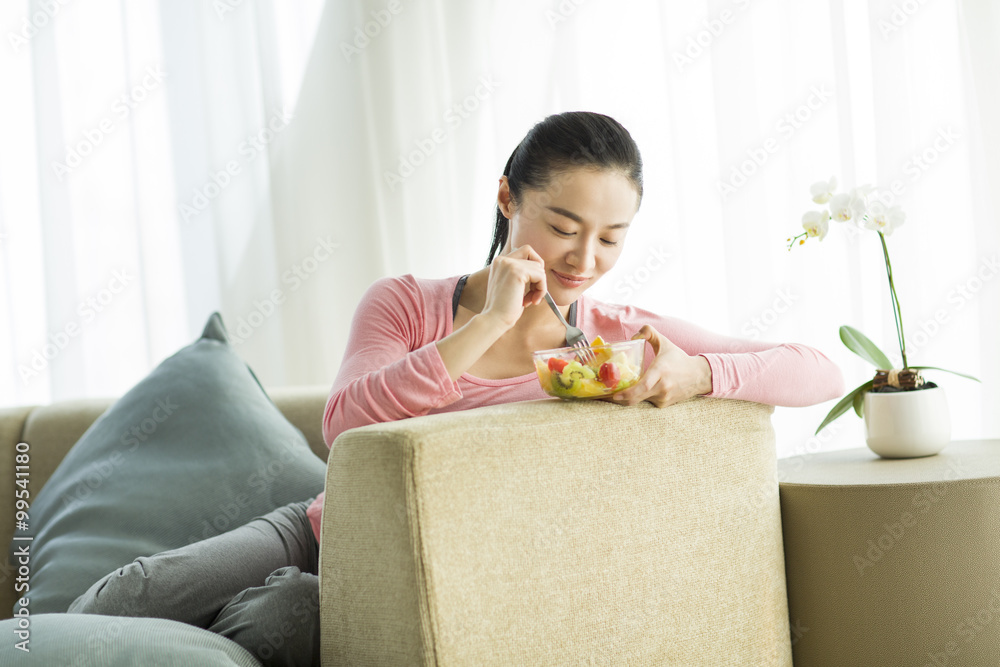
column 388, row 372
column 785, row 374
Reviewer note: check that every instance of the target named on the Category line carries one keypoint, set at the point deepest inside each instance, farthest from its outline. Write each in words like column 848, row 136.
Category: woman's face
column 577, row 224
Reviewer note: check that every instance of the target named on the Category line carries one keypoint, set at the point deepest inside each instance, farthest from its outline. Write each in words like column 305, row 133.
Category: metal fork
column 574, row 336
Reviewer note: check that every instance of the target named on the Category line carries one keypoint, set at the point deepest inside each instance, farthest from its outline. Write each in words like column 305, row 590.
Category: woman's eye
column 608, row 243
column 561, row 232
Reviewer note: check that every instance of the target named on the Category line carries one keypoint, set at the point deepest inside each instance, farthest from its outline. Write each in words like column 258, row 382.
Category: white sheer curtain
column 135, row 186
column 392, row 122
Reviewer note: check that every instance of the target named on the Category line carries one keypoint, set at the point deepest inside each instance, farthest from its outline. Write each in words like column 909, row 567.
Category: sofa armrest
column 551, row 532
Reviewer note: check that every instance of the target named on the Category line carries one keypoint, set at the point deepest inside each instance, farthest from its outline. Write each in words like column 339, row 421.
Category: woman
column 564, row 205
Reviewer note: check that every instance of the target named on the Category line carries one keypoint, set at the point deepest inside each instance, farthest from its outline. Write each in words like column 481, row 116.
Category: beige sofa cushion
column 556, row 533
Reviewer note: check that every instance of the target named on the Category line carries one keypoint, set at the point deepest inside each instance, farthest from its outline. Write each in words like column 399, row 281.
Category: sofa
column 536, row 533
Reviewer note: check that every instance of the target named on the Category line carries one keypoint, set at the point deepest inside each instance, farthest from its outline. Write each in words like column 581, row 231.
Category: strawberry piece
column 556, row 365
column 610, row 375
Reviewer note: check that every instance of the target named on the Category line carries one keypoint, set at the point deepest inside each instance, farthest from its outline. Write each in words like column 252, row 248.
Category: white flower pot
column 907, row 424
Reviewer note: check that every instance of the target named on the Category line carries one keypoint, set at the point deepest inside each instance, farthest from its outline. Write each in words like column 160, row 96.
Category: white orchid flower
column 859, row 200
column 861, row 204
column 840, row 207
column 816, row 223
column 879, row 218
column 895, row 218
column 822, row 191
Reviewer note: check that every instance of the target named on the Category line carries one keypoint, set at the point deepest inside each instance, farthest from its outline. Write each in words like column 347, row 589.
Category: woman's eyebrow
column 575, row 218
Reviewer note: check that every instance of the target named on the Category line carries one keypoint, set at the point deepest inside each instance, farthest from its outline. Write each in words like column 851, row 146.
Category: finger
column 651, row 384
column 655, row 395
column 536, row 270
column 651, row 335
column 534, row 287
column 538, row 286
column 658, row 341
column 528, row 254
column 531, row 254
column 637, row 393
column 622, row 397
column 522, row 261
column 525, row 252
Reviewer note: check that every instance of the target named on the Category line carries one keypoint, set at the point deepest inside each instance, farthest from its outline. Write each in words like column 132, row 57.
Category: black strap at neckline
column 458, row 295
column 571, row 318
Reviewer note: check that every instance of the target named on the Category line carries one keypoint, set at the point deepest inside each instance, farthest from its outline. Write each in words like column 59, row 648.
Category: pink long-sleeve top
column 392, row 369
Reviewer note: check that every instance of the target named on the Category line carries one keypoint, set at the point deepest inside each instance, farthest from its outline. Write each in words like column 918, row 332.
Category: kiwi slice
column 566, row 382
column 569, row 380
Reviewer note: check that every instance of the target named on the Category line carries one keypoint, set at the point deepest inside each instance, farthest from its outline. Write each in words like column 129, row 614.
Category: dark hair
column 561, row 142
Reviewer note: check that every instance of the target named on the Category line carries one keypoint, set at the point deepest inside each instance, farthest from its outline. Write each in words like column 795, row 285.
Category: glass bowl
column 563, row 374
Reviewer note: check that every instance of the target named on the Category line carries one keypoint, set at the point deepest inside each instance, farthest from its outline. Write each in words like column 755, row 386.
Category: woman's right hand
column 516, row 281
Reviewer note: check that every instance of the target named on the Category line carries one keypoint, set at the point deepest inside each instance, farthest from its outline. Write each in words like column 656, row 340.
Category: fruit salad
column 564, row 373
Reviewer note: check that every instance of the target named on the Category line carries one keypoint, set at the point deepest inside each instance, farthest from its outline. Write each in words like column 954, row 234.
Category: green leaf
column 844, row 405
column 935, row 368
column 859, row 403
column 859, row 344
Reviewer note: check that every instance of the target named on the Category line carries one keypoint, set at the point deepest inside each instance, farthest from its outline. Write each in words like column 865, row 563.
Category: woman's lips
column 569, row 281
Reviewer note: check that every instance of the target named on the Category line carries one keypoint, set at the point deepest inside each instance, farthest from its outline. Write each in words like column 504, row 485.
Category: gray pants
column 256, row 585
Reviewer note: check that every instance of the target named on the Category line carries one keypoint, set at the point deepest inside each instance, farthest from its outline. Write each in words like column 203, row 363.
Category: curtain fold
column 162, row 160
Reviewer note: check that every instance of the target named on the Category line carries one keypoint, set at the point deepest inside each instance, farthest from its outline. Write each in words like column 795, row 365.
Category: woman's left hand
column 673, row 376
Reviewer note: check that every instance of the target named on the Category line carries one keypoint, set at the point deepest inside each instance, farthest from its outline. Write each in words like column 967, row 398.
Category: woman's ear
column 504, row 200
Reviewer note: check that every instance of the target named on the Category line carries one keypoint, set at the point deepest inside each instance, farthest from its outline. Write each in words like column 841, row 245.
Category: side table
column 893, row 562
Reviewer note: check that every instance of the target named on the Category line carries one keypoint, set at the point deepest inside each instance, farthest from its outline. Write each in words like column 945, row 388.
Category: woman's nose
column 581, row 258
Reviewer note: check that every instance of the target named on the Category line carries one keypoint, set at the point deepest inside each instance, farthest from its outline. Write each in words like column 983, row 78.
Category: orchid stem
column 896, row 312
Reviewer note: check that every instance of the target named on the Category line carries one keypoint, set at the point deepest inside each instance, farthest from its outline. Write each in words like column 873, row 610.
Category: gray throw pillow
column 84, row 640
column 195, row 449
